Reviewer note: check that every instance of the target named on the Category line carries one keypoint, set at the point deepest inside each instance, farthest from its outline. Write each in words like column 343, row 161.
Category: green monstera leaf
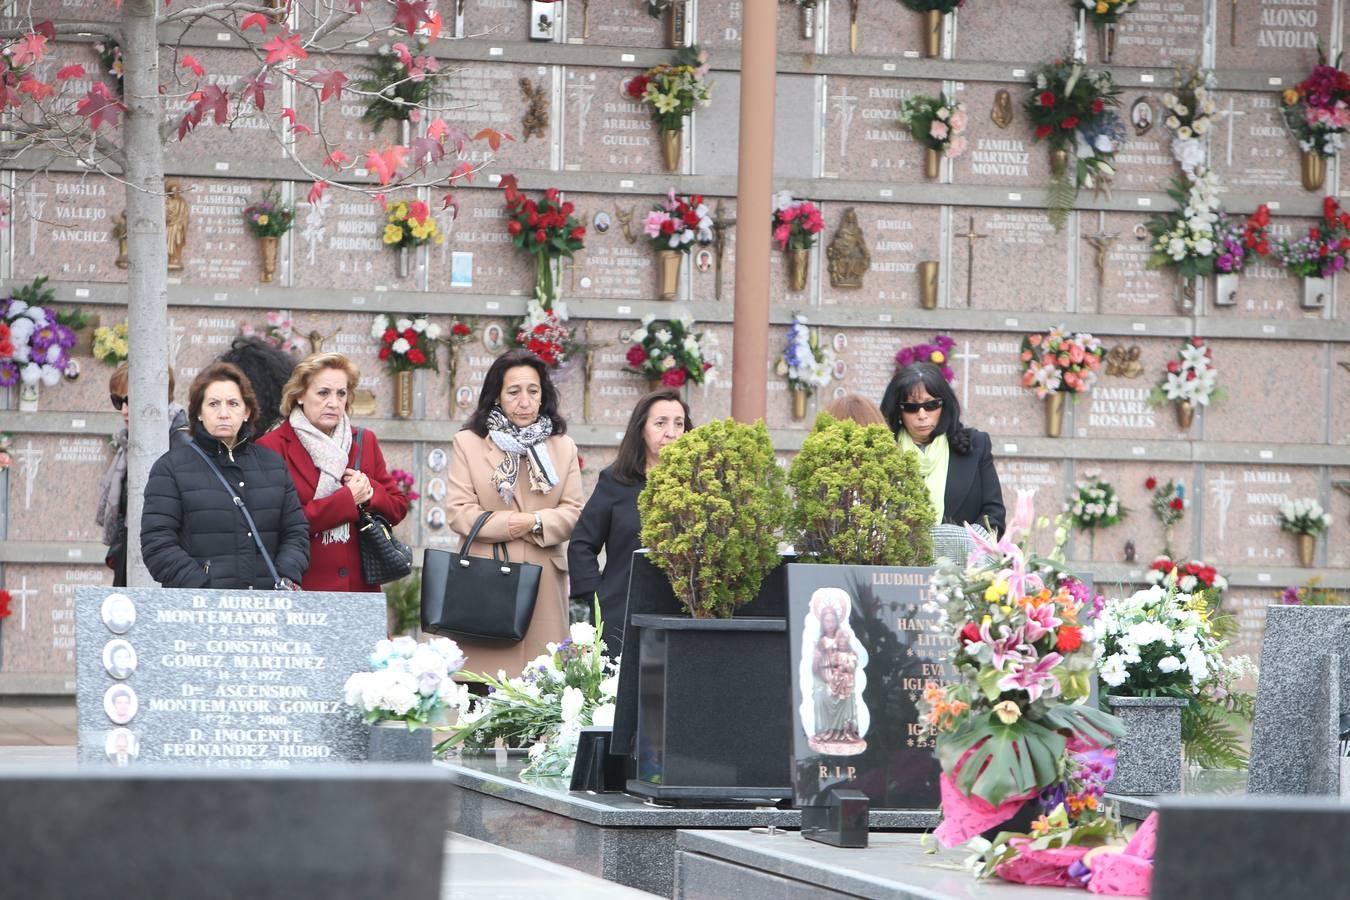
column 1007, row 760
column 1089, row 724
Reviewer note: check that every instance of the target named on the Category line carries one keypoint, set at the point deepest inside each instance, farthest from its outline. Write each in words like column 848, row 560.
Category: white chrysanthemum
column 400, row 345
column 402, row 325
column 583, row 634
column 1112, row 671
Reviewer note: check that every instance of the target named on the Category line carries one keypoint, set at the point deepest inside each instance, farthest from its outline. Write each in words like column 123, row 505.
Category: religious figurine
column 535, row 121
column 119, row 231
column 176, row 219
column 626, row 220
column 847, row 253
column 1124, row 363
column 1129, row 551
column 1002, row 113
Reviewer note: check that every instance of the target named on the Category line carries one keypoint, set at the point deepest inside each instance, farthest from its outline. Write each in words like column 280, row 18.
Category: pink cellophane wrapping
column 1049, row 868
column 1127, row 874
column 964, row 817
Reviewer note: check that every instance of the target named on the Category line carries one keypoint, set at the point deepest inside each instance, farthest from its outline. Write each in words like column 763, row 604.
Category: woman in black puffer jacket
column 192, row 533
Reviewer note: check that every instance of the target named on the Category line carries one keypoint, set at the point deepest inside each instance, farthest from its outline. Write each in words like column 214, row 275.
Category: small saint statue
column 176, row 220
column 847, row 253
column 119, row 230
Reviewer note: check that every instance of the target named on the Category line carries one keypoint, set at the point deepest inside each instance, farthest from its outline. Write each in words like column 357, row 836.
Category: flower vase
column 404, row 262
column 1186, row 293
column 798, row 404
column 1314, row 170
column 928, row 284
column 1107, row 36
column 1148, row 755
column 654, row 384
column 932, row 163
column 1225, row 289
column 403, row 394
column 84, row 337
column 808, row 21
column 1059, row 162
column 545, row 280
column 28, row 397
column 1307, row 544
column 392, row 742
column 269, row 258
column 932, row 34
column 670, row 149
column 668, row 272
column 1054, row 414
column 676, row 21
column 1185, row 414
column 1316, row 292
column 797, row 264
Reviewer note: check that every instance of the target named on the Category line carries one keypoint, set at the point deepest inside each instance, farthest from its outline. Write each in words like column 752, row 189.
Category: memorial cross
column 1230, row 114
column 965, row 356
column 23, row 593
column 572, row 278
column 1101, row 242
column 36, row 201
column 585, row 97
column 720, row 221
column 30, row 460
column 1223, row 494
column 845, row 106
column 971, row 237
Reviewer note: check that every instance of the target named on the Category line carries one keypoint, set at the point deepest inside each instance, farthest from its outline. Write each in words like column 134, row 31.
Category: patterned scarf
column 516, row 442
column 109, row 513
column 330, row 455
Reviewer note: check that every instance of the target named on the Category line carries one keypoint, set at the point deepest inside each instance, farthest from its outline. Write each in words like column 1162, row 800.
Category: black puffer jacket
column 193, row 536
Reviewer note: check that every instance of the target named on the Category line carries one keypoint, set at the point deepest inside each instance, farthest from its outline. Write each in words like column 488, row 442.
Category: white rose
column 1168, row 664
column 603, row 715
column 583, row 633
column 400, row 345
column 433, row 331
column 572, row 702
column 402, row 325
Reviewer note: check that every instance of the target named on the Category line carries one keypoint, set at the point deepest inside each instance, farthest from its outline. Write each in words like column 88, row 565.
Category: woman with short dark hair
column 609, row 520
column 514, row 459
column 957, row 463
column 193, row 533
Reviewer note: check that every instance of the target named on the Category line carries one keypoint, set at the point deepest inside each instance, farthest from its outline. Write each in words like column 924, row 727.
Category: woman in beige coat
column 513, row 458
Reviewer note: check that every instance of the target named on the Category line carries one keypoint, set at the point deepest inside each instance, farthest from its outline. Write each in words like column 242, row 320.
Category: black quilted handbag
column 384, row 558
column 485, row 601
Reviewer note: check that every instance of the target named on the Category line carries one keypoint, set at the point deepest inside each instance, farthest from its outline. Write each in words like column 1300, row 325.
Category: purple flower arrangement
column 41, row 344
column 938, row 351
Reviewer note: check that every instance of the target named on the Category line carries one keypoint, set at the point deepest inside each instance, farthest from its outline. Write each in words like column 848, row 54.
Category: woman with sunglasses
column 112, row 495
column 957, row 462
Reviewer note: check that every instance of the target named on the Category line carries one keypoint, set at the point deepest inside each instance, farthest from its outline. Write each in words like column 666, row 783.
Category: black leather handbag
column 485, row 601
column 384, row 558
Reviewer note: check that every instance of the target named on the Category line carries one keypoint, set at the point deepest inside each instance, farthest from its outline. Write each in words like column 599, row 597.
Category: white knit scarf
column 329, row 454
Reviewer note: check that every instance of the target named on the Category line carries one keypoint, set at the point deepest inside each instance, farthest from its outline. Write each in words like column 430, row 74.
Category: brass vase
column 675, row 23
column 932, row 34
column 1314, row 170
column 1185, row 414
column 1054, row 414
column 928, row 284
column 670, row 150
column 932, row 163
column 269, row 259
column 797, row 262
column 1059, row 162
column 84, row 337
column 653, row 384
column 1107, row 35
column 403, row 394
column 798, row 404
column 668, row 271
column 1307, row 543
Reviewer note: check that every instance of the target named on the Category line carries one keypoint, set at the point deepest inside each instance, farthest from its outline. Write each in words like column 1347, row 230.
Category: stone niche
column 1272, row 35
column 1154, row 33
column 1250, row 148
column 1242, row 513
column 1125, row 285
column 617, row 23
column 337, row 243
column 39, row 637
column 999, row 155
column 248, row 134
column 865, row 139
column 63, row 228
column 898, row 237
column 1021, row 262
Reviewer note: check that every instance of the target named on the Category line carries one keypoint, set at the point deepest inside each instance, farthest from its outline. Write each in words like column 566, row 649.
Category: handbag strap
column 356, row 466
column 473, row 535
column 239, row 502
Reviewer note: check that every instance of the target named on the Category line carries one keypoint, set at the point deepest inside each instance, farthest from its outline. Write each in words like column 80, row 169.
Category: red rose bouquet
column 406, row 343
column 795, row 222
column 546, row 228
column 671, row 351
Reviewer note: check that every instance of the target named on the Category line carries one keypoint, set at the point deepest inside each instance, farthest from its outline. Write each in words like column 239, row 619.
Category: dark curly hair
column 492, row 390
column 903, row 385
column 267, row 369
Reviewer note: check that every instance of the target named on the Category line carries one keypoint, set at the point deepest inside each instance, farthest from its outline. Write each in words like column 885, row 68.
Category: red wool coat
column 336, row 567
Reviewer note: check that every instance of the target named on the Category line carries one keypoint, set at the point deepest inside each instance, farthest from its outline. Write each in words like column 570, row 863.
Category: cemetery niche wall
column 975, row 240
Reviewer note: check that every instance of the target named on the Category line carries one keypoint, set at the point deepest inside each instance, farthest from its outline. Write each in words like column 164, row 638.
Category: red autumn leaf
column 386, row 165
column 493, row 138
column 38, row 90
column 437, row 129
column 100, row 107
column 299, row 128
column 74, row 70
column 254, row 19
column 213, row 100
column 257, row 87
column 190, row 62
column 447, row 202
column 463, row 170
column 333, row 82
column 317, row 191
column 426, row 150
column 27, row 50
column 46, row 29
column 336, row 160
column 410, row 14
column 433, row 26
column 284, row 47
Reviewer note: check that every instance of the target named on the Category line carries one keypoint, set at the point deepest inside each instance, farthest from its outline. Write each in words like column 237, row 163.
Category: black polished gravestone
column 862, row 649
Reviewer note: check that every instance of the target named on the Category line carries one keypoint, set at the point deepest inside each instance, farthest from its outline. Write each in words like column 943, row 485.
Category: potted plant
column 670, row 353
column 408, row 225
column 1094, row 505
column 1162, row 670
column 858, row 499
column 795, row 226
column 712, row 716
column 805, row 363
column 1105, row 14
column 673, row 226
column 937, row 123
column 1319, row 254
column 1317, row 114
column 406, row 344
column 933, row 11
column 1191, row 380
column 408, row 687
column 673, row 91
column 269, row 219
column 1305, row 518
column 1059, row 363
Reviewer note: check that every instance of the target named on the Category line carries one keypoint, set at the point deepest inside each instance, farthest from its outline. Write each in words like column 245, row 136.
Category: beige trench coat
column 470, row 492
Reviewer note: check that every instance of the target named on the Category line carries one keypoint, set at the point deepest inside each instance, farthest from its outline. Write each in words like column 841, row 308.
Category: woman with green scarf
column 957, row 462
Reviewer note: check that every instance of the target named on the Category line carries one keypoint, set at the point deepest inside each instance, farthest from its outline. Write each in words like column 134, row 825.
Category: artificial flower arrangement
column 805, row 363
column 404, row 481
column 1190, row 378
column 795, row 226
column 1323, row 251
column 459, row 334
column 1185, row 238
column 558, row 693
column 1106, row 15
column 1191, row 112
column 671, row 351
column 1194, row 576
column 38, row 347
column 1310, row 594
column 6, row 446
column 111, row 346
column 269, row 217
column 1095, row 504
column 543, row 331
column 938, row 351
column 397, row 84
column 110, row 60
column 1060, row 361
column 5, row 600
column 1165, row 642
column 408, row 682
column 279, row 331
column 1072, row 108
column 678, row 222
column 672, row 91
column 547, row 229
column 1240, row 242
column 937, row 123
column 1304, row 516
column 1317, row 109
column 408, row 224
column 406, row 343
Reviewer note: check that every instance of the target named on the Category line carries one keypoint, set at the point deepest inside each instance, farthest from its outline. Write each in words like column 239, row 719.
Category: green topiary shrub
column 859, row 499
column 712, row 513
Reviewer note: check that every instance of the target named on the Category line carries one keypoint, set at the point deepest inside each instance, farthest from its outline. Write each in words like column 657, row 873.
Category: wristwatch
column 538, row 525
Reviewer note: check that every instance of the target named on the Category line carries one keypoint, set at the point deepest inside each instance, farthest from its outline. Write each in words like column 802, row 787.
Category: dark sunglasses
column 118, row 401
column 928, row 405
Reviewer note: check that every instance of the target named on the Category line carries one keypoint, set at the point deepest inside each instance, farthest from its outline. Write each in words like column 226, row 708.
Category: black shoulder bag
column 384, row 558
column 248, row 517
column 485, row 601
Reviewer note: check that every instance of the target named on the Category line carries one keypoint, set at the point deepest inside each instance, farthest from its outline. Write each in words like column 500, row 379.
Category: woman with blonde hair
column 335, row 471
column 855, row 407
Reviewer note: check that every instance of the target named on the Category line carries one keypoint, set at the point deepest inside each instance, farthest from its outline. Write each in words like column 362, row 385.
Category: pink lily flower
column 1036, row 678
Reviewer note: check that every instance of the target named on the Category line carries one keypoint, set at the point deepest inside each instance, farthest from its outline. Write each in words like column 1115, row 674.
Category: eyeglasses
column 118, row 401
column 928, row 406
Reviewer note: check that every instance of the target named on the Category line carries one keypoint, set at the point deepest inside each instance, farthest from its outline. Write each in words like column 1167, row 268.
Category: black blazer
column 609, row 520
column 973, row 491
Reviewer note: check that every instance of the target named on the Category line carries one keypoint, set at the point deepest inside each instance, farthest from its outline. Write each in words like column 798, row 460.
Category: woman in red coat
column 317, row 441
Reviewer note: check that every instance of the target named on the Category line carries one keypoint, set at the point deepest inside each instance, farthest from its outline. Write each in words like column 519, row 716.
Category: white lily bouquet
column 409, row 682
column 1191, row 377
column 1304, row 516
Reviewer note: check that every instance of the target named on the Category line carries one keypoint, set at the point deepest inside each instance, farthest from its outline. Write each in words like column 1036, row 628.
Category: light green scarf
column 933, row 461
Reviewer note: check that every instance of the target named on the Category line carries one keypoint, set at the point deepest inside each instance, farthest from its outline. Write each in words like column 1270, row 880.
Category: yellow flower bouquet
column 409, row 224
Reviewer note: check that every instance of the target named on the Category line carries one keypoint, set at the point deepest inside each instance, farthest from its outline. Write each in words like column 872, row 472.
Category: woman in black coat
column 610, row 517
column 957, row 462
column 192, row 533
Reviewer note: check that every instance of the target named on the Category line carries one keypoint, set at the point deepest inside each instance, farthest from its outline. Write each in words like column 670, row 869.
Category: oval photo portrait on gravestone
column 121, row 704
column 118, row 613
column 119, row 658
column 122, row 746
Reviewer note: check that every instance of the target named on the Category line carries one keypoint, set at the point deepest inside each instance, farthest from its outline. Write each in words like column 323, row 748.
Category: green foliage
column 1008, row 760
column 37, row 293
column 404, row 599
column 1211, row 736
column 711, row 514
column 859, row 499
column 396, row 93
